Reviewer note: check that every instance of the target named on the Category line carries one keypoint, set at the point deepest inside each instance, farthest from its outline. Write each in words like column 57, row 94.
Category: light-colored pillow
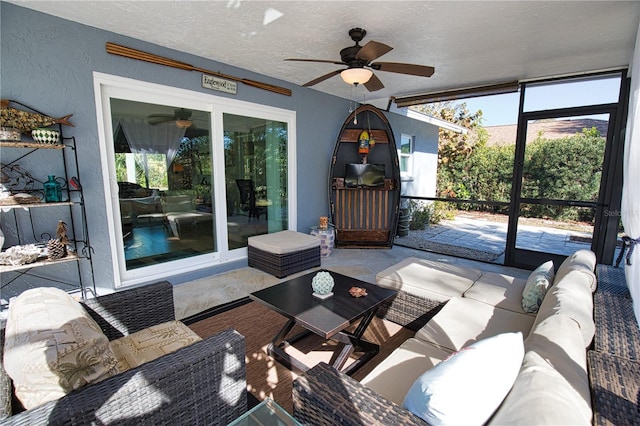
column 536, row 287
column 470, row 385
column 153, row 342
column 52, row 346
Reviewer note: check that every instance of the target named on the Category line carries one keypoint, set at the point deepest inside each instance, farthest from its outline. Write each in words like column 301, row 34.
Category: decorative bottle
column 52, row 190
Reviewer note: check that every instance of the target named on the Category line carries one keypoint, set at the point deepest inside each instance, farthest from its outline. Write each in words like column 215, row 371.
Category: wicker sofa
column 197, row 384
column 564, row 378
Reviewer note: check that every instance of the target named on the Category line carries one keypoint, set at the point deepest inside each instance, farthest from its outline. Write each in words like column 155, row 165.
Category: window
column 190, row 176
column 405, row 154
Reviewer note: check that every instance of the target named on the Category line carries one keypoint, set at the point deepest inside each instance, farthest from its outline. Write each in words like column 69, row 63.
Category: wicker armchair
column 194, row 385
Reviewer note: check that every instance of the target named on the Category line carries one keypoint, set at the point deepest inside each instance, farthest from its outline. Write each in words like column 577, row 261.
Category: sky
column 503, row 109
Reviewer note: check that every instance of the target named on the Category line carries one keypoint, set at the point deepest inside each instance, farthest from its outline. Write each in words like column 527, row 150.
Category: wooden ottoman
column 284, row 253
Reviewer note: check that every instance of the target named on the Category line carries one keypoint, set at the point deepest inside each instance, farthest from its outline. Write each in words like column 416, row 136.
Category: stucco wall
column 47, row 63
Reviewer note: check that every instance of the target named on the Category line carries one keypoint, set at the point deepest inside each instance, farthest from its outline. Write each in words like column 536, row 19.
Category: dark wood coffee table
column 325, row 317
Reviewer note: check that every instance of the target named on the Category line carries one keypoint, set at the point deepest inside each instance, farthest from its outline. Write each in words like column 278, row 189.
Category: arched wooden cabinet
column 364, row 187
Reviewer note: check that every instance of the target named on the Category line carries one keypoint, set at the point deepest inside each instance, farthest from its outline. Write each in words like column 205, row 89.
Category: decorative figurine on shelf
column 363, row 143
column 322, row 284
column 52, row 190
column 27, row 121
column 57, row 247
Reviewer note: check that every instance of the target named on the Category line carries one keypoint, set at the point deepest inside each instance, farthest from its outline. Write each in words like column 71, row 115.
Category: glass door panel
column 256, row 177
column 164, row 171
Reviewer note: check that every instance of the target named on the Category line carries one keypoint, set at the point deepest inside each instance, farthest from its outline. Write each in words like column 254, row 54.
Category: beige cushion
column 433, row 280
column 53, row 347
column 393, row 377
column 463, row 321
column 284, row 242
column 572, row 297
column 151, row 343
column 498, row 290
column 552, row 387
column 583, row 260
column 558, row 340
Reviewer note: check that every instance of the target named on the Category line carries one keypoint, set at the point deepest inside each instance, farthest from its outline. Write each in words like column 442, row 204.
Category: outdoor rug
column 267, row 377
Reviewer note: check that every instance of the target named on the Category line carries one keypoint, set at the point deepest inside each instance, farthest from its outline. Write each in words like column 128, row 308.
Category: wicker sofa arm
column 204, row 383
column 128, row 311
column 325, row 396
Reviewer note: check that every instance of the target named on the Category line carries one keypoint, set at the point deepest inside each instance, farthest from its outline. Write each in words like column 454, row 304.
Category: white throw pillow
column 470, row 385
column 536, row 287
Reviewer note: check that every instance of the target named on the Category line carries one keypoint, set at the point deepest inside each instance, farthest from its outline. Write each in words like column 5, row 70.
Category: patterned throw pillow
column 536, row 287
column 52, row 346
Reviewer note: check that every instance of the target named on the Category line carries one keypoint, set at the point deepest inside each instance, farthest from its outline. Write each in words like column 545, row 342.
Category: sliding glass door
column 163, row 166
column 190, row 177
column 256, row 177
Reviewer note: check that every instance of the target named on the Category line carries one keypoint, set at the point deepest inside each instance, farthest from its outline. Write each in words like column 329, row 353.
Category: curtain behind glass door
column 164, row 173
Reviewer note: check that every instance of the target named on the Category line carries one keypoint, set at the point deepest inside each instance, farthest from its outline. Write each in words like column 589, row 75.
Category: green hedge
column 565, row 169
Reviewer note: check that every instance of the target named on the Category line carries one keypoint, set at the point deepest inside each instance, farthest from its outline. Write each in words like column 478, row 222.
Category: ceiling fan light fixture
column 183, row 124
column 356, row 75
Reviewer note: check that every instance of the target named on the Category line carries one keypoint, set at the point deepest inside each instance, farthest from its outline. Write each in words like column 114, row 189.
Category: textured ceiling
column 469, row 43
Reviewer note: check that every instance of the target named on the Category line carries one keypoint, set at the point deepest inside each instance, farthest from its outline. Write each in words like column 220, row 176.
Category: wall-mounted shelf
column 70, row 257
column 8, row 207
column 34, row 145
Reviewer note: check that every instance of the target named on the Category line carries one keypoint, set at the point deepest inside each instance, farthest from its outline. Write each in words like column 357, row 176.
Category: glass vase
column 52, row 190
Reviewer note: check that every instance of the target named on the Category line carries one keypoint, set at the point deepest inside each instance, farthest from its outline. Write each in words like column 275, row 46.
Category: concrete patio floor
column 473, row 235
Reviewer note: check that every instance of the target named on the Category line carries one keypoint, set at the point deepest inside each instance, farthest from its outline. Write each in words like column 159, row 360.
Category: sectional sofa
column 477, row 357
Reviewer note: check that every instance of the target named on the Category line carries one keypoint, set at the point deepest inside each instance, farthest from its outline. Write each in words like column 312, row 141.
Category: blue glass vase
column 52, row 190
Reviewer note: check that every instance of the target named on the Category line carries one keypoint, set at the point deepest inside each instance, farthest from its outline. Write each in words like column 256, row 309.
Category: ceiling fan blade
column 322, row 78
column 322, row 61
column 411, row 69
column 374, row 84
column 159, row 118
column 372, row 50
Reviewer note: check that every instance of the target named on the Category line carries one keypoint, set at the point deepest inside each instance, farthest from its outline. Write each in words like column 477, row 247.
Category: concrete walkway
column 487, row 237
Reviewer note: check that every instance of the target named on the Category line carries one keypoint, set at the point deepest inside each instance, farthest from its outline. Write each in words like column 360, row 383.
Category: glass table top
column 267, row 413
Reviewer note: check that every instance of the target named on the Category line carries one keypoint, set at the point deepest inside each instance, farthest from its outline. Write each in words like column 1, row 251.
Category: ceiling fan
column 359, row 58
column 181, row 116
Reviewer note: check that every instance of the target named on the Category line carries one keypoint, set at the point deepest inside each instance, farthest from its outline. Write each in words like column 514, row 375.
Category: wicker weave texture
column 617, row 331
column 204, row 383
column 126, row 312
column 325, row 396
column 281, row 265
column 612, row 280
column 615, row 387
column 409, row 310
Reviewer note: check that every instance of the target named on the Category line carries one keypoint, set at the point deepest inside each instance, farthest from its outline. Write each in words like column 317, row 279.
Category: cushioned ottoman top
column 433, row 280
column 284, row 242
